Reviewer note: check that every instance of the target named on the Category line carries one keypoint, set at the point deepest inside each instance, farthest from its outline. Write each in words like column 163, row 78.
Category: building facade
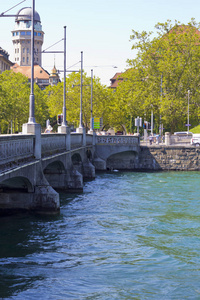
column 21, row 38
column 5, row 63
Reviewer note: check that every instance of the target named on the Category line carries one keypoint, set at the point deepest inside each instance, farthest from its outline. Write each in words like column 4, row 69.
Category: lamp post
column 63, row 128
column 64, row 123
column 91, row 118
column 32, row 97
column 81, row 94
column 188, row 122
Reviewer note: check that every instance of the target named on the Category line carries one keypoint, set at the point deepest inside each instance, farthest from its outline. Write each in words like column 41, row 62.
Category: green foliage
column 101, row 99
column 14, row 102
column 195, row 129
column 173, row 58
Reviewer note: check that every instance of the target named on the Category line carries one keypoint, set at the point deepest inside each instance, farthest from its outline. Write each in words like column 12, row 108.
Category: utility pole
column 81, row 95
column 32, row 97
column 91, row 127
column 188, row 122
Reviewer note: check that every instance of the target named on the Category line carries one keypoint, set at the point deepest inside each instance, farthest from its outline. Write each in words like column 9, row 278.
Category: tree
column 14, row 102
column 166, row 67
column 101, row 99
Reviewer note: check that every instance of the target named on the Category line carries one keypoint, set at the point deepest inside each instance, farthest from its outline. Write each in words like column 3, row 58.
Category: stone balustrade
column 16, row 147
column 117, row 140
column 52, row 143
column 76, row 140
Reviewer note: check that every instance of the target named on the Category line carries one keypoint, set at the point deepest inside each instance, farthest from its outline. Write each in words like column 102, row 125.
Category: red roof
column 39, row 72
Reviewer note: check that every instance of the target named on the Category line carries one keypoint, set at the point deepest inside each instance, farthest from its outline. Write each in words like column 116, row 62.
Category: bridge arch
column 89, row 154
column 55, row 167
column 77, row 162
column 76, row 159
column 16, row 184
column 126, row 160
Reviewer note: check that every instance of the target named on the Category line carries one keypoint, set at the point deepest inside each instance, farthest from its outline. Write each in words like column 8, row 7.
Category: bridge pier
column 75, row 181
column 88, row 170
column 27, row 190
column 99, row 164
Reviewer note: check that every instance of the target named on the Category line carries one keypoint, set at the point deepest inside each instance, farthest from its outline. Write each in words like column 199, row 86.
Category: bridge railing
column 52, row 143
column 89, row 139
column 117, row 140
column 76, row 140
column 16, row 147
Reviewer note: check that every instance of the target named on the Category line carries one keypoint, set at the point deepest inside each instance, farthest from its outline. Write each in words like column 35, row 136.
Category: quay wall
column 182, row 158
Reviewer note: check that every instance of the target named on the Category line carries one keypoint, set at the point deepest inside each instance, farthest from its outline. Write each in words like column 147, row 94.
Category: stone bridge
column 116, row 152
column 33, row 166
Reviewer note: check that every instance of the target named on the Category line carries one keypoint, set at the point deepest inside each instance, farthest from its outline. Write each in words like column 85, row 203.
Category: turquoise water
column 128, row 236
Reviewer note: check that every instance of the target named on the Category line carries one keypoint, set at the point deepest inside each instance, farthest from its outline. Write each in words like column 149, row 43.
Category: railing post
column 94, row 138
column 167, row 138
column 68, row 139
column 84, row 137
column 35, row 129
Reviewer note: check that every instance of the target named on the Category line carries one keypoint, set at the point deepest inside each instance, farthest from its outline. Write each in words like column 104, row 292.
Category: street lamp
column 31, row 119
column 91, row 127
column 63, row 127
column 81, row 96
column 32, row 97
column 188, row 122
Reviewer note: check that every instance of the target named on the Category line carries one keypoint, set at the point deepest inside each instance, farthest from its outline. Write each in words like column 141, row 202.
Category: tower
column 21, row 37
column 54, row 77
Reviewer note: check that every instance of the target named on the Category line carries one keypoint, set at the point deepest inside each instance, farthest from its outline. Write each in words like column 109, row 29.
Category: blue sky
column 101, row 29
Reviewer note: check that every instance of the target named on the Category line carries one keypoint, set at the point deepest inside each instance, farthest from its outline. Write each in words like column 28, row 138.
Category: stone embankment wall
column 169, row 158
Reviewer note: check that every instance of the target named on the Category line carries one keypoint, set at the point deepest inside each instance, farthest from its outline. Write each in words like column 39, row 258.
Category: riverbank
column 162, row 157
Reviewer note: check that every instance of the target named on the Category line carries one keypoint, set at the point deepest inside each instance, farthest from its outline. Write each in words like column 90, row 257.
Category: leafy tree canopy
column 166, row 66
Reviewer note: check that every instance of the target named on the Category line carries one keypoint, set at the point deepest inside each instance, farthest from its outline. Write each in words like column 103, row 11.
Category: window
column 28, row 33
column 23, row 59
column 23, row 50
column 27, row 60
column 27, row 50
column 23, row 32
column 39, row 34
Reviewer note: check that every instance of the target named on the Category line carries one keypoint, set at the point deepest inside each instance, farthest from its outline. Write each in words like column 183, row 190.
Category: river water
column 128, row 236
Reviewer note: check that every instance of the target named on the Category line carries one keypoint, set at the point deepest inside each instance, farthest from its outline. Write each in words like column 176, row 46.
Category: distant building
column 5, row 63
column 21, row 38
column 115, row 80
column 41, row 76
column 54, row 76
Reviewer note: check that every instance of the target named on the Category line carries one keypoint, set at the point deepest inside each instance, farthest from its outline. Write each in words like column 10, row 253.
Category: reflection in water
column 128, row 236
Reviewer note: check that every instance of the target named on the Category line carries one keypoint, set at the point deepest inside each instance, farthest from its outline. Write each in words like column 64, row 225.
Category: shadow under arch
column 89, row 154
column 56, row 167
column 127, row 160
column 76, row 159
column 16, row 184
